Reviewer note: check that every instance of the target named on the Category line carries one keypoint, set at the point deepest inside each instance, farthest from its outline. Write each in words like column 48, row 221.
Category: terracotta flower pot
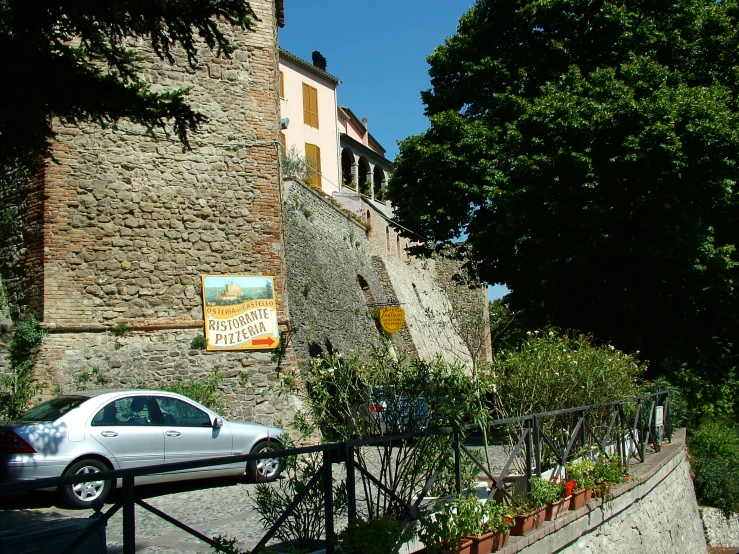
column 580, row 498
column 500, row 539
column 526, row 522
column 556, row 509
column 463, row 548
column 602, row 490
column 523, row 524
column 482, row 544
column 539, row 517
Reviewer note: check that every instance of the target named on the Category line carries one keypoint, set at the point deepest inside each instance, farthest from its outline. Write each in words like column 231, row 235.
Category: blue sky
column 378, row 49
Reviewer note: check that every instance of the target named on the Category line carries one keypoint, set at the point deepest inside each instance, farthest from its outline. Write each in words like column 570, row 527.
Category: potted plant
column 561, row 502
column 440, row 533
column 545, row 493
column 469, row 512
column 582, row 473
column 607, row 472
column 528, row 514
column 498, row 520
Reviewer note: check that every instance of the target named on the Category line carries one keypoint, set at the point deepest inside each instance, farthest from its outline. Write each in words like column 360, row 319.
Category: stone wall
column 128, row 222
column 328, row 264
column 721, row 532
column 152, row 359
column 336, row 268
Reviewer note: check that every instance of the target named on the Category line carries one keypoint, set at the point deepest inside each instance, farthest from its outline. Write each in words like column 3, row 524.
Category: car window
column 131, row 410
column 178, row 412
column 53, row 409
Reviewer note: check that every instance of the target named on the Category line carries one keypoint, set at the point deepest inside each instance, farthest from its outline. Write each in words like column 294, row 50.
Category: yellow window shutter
column 313, row 157
column 306, row 104
column 282, row 85
column 310, row 106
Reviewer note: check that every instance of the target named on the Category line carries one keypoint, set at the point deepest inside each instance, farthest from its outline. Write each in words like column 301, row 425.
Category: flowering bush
column 551, row 371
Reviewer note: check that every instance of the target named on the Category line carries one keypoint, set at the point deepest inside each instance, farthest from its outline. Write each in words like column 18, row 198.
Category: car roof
column 101, row 392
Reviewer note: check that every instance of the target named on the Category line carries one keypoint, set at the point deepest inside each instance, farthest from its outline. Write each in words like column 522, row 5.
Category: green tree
column 589, row 151
column 70, row 59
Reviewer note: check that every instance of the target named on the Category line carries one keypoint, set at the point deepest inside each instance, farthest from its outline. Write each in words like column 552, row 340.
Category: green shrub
column 307, row 523
column 17, row 387
column 206, row 391
column 714, row 439
column 198, row 343
column 717, row 483
column 377, row 536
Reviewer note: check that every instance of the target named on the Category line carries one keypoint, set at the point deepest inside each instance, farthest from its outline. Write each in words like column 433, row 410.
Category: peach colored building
column 308, row 112
column 335, row 142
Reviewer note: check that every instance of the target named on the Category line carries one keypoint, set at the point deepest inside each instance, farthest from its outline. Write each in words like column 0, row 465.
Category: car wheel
column 82, row 495
column 266, row 469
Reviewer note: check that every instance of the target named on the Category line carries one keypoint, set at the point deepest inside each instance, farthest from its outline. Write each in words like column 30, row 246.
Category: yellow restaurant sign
column 240, row 312
column 392, row 318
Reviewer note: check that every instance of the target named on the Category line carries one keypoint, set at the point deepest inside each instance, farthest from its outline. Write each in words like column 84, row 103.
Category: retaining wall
column 657, row 513
column 721, row 532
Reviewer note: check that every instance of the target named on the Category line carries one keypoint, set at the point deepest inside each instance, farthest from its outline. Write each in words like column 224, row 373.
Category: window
column 132, row 410
column 282, row 85
column 310, row 106
column 177, row 412
column 283, row 142
column 313, row 157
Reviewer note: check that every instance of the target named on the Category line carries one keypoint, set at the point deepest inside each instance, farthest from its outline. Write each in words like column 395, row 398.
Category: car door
column 189, row 435
column 125, row 428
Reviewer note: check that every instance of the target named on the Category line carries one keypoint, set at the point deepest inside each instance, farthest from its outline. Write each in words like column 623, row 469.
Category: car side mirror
column 217, row 423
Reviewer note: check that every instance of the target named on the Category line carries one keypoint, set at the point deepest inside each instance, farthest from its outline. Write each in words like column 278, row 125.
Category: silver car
column 93, row 431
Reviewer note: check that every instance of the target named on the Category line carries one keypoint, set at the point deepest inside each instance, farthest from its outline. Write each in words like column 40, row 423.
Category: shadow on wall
column 315, row 349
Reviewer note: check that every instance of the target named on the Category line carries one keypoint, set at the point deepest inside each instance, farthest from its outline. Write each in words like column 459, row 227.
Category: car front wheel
column 266, row 469
column 82, row 495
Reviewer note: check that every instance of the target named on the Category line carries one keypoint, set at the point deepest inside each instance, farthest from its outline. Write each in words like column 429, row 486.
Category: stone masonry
column 122, row 227
column 337, row 269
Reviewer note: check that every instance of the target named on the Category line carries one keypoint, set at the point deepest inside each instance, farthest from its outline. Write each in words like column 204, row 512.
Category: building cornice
column 308, row 66
column 354, row 143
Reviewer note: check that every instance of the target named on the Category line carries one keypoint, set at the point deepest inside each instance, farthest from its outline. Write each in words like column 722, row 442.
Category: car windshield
column 53, row 409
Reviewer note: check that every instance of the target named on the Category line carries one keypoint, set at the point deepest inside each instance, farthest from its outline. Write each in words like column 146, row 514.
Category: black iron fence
column 409, row 465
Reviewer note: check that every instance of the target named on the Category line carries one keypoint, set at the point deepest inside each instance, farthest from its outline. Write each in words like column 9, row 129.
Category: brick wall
column 126, row 224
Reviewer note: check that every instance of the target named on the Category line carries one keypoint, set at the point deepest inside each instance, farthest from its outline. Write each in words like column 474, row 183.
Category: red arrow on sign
column 269, row 341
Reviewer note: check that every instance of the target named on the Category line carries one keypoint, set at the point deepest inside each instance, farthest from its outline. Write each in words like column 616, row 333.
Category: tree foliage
column 589, row 151
column 74, row 60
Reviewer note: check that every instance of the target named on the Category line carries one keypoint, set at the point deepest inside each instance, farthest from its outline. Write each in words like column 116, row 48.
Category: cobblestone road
column 214, row 507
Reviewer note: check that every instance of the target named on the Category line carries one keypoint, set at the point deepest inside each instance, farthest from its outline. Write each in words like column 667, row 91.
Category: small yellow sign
column 392, row 318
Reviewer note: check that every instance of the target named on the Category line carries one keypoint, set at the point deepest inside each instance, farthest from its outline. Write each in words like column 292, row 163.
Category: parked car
column 93, row 431
column 394, row 413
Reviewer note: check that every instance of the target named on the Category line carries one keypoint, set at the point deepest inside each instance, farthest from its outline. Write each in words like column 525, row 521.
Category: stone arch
column 347, row 168
column 363, row 176
column 378, row 182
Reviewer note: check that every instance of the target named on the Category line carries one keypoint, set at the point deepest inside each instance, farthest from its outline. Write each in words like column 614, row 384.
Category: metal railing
column 540, row 442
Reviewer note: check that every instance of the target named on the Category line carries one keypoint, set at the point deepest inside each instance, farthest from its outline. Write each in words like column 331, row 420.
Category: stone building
column 107, row 245
column 121, row 227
